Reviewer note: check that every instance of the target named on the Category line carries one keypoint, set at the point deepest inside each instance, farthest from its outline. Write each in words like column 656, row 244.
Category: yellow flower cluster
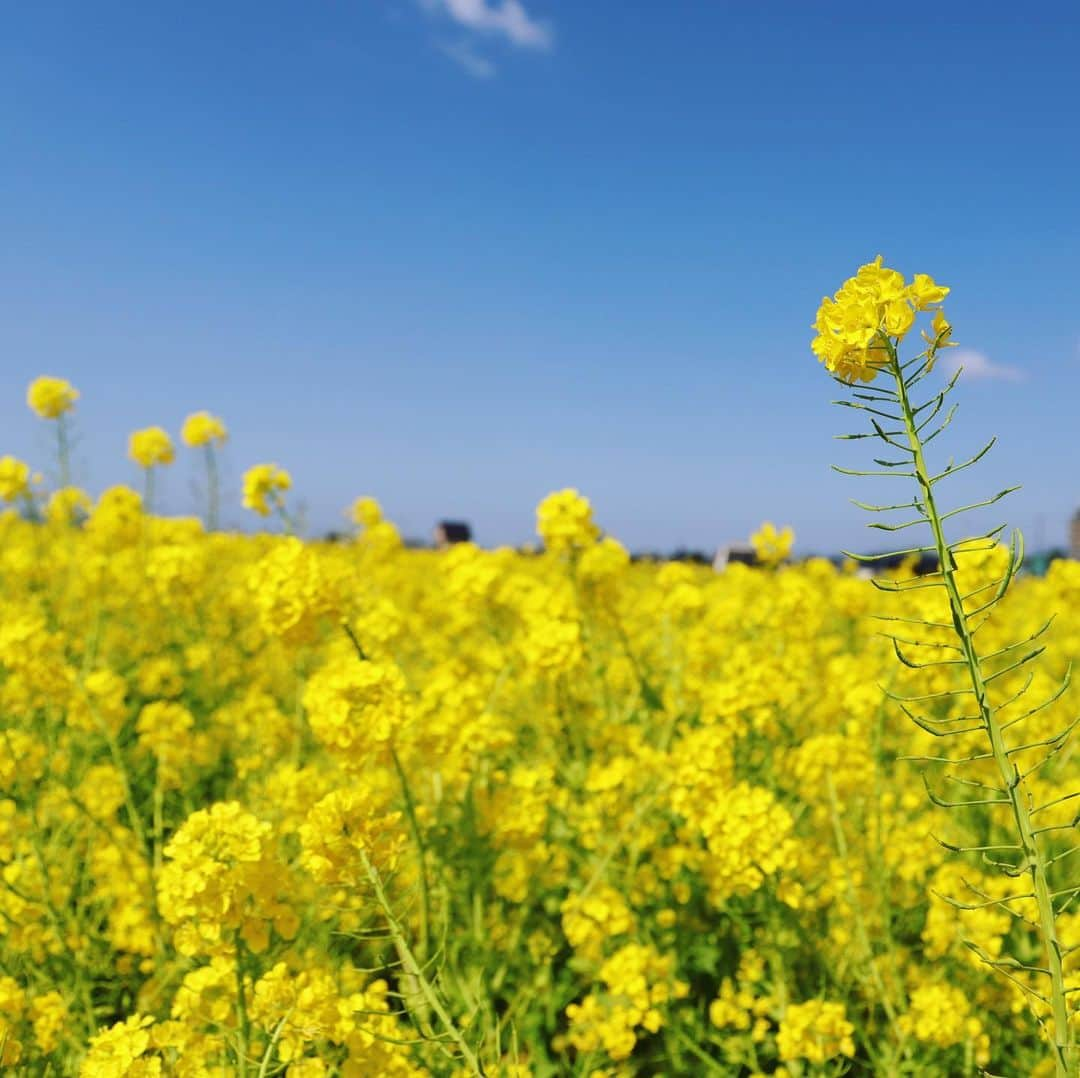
column 564, row 520
column 51, row 397
column 590, row 920
column 294, row 591
column 67, row 505
column 116, row 520
column 164, row 732
column 871, row 312
column 356, row 708
column 343, row 840
column 263, row 486
column 637, row 986
column 219, row 875
column 940, row 1014
column 815, row 1031
column 14, row 479
column 366, row 512
column 120, row 1050
column 772, row 545
column 151, row 447
column 312, row 1006
column 202, row 428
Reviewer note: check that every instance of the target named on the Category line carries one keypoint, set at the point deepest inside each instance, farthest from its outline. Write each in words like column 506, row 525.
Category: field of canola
column 270, row 806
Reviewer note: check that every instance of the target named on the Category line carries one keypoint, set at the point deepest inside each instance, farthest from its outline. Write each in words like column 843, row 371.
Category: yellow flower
column 855, row 326
column 293, row 592
column 942, row 330
column 49, row 1013
column 117, row 518
column 601, row 566
column 14, row 479
column 815, row 1031
column 899, row 318
column 564, row 521
column 51, row 397
column 366, row 512
column 340, row 831
column 12, row 1005
column 118, row 1050
column 590, row 920
column 202, row 428
column 925, row 291
column 150, row 447
column 219, row 877
column 356, row 708
column 770, row 545
column 639, row 984
column 164, row 731
column 263, row 485
column 67, row 505
column 939, row 1014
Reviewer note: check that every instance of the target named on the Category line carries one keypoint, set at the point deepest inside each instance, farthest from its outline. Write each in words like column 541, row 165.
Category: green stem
column 421, row 851
column 287, row 519
column 268, row 1055
column 30, row 507
column 413, row 968
column 649, row 695
column 241, row 1011
column 63, row 451
column 712, row 1066
column 134, row 816
column 1034, row 855
column 213, row 489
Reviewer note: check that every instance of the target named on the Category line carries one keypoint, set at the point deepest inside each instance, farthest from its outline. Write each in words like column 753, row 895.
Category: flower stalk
column 1012, row 781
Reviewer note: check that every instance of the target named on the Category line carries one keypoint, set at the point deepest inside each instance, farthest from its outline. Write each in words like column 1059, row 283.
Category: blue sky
column 459, row 253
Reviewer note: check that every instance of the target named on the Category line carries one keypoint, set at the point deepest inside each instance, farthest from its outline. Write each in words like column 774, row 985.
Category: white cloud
column 979, row 365
column 471, row 62
column 507, row 19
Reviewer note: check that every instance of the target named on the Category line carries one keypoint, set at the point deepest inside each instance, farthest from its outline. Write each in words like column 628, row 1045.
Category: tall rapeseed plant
column 860, row 333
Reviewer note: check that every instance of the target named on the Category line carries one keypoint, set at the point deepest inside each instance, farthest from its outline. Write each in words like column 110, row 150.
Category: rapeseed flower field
column 273, row 806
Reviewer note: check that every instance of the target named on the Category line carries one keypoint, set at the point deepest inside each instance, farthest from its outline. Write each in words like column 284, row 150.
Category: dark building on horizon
column 449, row 532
